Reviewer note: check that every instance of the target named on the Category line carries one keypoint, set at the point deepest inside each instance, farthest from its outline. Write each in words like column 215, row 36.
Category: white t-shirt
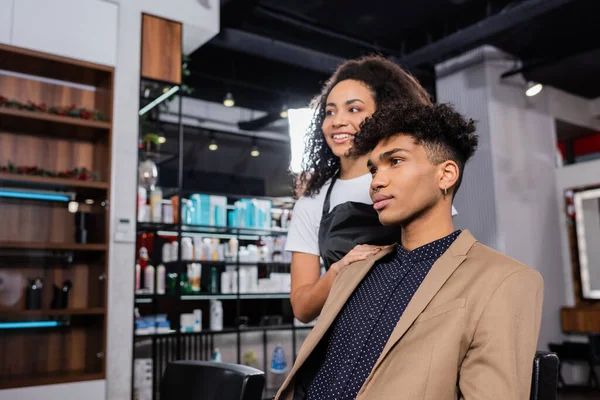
column 303, row 235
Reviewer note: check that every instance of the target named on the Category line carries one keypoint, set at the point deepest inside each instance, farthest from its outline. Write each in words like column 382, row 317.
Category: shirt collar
column 433, row 250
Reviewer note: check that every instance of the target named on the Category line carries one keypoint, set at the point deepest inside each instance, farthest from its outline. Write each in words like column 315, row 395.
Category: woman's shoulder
column 310, row 202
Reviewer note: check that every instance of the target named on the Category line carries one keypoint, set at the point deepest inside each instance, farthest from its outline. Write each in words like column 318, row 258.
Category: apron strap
column 326, row 203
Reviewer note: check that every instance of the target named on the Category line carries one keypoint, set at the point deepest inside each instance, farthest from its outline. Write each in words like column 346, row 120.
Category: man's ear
column 449, row 175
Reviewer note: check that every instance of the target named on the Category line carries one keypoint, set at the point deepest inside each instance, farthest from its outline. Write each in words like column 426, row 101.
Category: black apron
column 348, row 225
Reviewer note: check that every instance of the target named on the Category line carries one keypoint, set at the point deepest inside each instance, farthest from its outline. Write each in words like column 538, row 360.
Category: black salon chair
column 207, row 380
column 544, row 382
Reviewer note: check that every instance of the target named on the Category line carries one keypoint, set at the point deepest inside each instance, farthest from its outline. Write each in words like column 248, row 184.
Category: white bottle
column 187, row 249
column 253, row 279
column 234, row 282
column 244, row 280
column 233, row 248
column 166, row 253
column 137, row 277
column 160, row 279
column 198, row 251
column 216, row 315
column 226, row 282
column 156, row 205
column 149, row 278
column 142, row 199
column 197, row 273
column 175, row 251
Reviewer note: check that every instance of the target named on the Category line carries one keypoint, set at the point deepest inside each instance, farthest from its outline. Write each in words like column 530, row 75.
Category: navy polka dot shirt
column 357, row 337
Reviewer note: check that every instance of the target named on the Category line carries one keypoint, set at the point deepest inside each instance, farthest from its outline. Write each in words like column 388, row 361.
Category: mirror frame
column 584, row 269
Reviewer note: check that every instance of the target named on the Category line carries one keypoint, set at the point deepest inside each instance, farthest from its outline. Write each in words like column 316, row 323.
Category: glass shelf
column 149, row 298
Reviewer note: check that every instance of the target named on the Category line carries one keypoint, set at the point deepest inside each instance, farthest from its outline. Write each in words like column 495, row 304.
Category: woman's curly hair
column 388, row 83
column 445, row 133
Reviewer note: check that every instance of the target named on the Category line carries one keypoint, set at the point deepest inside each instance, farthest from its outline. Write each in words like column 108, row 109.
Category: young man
column 438, row 316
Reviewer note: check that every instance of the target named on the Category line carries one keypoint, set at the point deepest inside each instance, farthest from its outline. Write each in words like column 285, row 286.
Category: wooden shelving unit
column 45, row 313
column 74, row 351
column 54, row 118
column 53, row 246
column 18, row 180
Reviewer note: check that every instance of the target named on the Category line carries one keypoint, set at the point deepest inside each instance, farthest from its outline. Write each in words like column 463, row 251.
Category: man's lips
column 380, row 201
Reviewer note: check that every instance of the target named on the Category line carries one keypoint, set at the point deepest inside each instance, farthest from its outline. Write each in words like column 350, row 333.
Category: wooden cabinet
column 39, row 236
column 161, row 49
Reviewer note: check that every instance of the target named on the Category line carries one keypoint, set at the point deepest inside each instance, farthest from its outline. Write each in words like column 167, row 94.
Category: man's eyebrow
column 388, row 154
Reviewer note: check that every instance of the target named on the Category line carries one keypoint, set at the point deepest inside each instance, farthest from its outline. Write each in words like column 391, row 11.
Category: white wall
column 86, row 30
column 6, row 18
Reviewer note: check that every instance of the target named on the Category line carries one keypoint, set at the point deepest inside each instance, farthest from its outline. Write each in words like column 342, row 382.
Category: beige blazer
column 469, row 332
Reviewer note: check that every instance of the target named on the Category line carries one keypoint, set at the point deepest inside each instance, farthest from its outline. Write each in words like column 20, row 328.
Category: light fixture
column 34, row 195
column 284, row 112
column 228, row 101
column 213, row 145
column 159, row 100
column 30, row 324
column 254, row 152
column 162, row 139
column 533, row 88
column 89, row 201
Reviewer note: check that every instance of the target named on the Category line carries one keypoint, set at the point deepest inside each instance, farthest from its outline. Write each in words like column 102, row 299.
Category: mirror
column 587, row 220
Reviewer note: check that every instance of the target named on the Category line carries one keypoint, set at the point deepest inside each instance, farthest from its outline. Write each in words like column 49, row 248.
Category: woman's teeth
column 341, row 136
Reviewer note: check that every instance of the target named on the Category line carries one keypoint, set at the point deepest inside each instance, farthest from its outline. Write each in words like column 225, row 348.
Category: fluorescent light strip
column 30, row 324
column 159, row 100
column 14, row 194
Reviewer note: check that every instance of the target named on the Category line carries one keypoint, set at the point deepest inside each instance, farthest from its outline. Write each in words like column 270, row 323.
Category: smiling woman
column 334, row 222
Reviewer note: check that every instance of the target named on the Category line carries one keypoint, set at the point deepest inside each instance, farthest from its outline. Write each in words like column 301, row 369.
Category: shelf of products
column 227, row 331
column 57, row 113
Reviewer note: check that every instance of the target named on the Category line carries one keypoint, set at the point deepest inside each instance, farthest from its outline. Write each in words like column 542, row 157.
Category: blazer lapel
column 345, row 285
column 441, row 270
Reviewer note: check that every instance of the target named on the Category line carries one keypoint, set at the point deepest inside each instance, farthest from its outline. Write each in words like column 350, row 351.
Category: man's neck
column 353, row 167
column 431, row 226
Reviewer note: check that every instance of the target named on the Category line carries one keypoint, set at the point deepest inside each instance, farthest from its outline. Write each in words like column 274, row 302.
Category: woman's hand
column 358, row 253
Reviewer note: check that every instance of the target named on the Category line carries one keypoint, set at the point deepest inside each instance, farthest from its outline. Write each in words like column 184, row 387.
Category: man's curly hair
column 445, row 133
column 388, row 83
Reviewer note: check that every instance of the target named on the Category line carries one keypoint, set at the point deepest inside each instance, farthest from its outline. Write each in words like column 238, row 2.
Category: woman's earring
column 445, row 191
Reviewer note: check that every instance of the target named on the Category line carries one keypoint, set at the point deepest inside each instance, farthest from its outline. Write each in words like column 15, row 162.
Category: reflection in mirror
column 587, row 217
